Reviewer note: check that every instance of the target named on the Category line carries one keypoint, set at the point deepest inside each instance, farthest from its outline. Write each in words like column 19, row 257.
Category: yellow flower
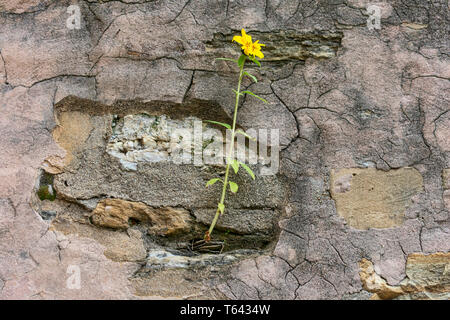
column 256, row 49
column 250, row 48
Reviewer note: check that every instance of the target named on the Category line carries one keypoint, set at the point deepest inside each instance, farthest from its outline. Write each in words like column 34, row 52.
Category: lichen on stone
column 45, row 190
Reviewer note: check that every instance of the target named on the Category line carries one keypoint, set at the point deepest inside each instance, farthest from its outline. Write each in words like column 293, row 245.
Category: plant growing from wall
column 250, row 51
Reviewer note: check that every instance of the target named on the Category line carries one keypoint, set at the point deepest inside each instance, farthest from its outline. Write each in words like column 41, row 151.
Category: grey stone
column 240, row 221
column 164, row 259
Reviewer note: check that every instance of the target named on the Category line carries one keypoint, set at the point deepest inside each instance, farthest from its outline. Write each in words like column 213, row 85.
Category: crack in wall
column 75, row 212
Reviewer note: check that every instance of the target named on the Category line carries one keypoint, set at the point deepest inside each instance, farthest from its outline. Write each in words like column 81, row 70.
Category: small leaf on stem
column 219, row 123
column 241, row 59
column 221, row 207
column 233, row 187
column 255, row 61
column 235, row 165
column 251, row 76
column 212, row 181
column 249, row 171
column 245, row 134
column 252, row 94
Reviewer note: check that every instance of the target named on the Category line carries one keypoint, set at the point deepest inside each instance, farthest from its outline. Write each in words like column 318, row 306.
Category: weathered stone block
column 429, row 272
column 116, row 214
column 72, row 131
column 288, row 45
column 427, row 277
column 370, row 198
column 247, row 221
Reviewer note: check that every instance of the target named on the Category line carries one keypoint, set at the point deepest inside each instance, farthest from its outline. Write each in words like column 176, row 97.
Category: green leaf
column 233, row 187
column 255, row 61
column 235, row 165
column 251, row 76
column 219, row 123
column 245, row 135
column 252, row 94
column 241, row 60
column 212, row 181
column 227, row 59
column 221, row 207
column 249, row 171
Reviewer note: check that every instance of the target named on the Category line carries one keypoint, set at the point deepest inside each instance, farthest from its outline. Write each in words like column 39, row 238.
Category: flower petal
column 259, row 54
column 245, row 36
column 259, row 44
column 246, row 50
column 238, row 39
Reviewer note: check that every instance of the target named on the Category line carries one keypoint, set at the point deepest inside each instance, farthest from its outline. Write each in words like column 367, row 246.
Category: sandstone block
column 117, row 213
column 370, row 198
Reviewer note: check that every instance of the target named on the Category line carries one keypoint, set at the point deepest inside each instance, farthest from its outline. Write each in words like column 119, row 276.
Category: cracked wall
column 121, row 168
column 344, row 98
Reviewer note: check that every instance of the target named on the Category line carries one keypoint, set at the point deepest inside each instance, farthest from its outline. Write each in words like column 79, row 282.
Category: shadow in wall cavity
column 158, row 203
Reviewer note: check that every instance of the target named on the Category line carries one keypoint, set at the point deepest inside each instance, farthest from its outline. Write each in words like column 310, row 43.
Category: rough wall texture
column 359, row 209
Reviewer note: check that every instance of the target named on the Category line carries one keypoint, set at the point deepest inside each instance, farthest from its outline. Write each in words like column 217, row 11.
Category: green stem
column 233, row 132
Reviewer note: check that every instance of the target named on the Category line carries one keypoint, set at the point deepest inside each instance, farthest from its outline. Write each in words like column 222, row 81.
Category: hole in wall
column 45, row 189
column 119, row 178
